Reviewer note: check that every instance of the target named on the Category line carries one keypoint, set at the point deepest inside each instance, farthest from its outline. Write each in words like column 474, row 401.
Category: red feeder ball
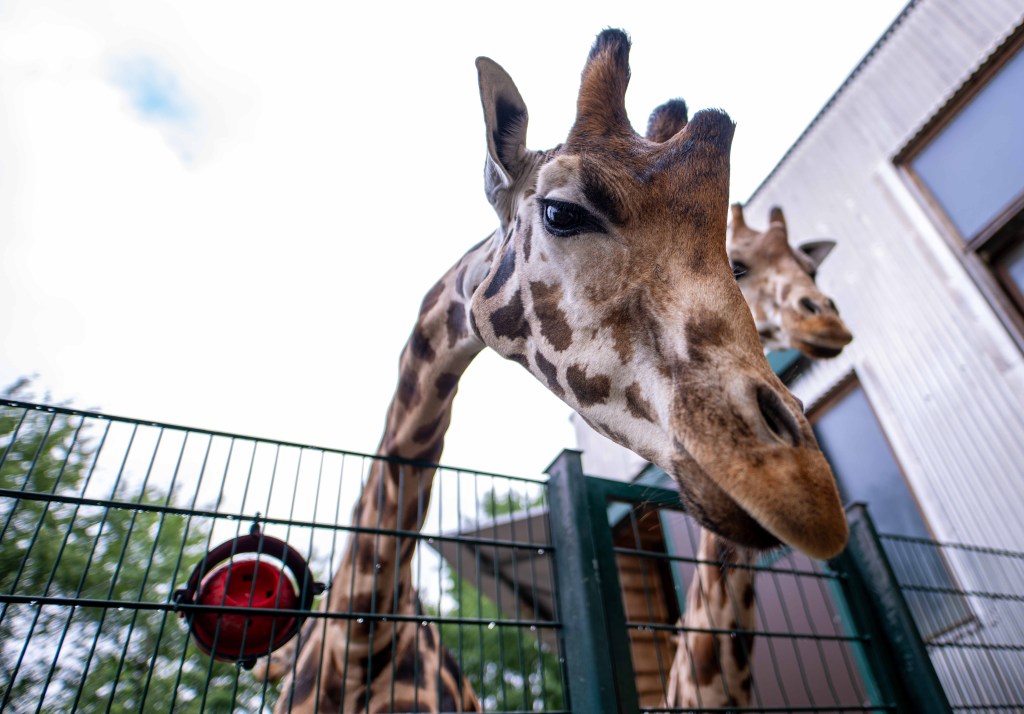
column 256, row 572
column 245, row 583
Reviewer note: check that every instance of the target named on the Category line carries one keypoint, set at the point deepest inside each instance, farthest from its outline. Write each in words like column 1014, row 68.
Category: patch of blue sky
column 153, row 89
column 157, row 96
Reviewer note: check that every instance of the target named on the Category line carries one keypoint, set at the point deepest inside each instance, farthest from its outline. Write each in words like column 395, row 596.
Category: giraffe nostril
column 831, row 306
column 777, row 417
column 809, row 305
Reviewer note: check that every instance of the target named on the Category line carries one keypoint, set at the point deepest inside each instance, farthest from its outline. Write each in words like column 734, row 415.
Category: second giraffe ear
column 506, row 118
column 817, row 250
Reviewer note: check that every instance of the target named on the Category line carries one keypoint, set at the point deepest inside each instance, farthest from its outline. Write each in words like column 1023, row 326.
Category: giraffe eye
column 564, row 219
column 738, row 269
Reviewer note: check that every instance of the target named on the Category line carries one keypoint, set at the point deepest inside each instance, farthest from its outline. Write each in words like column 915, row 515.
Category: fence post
column 896, row 653
column 589, row 596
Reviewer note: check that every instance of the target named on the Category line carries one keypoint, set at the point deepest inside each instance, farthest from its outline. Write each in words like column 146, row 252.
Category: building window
column 967, row 165
column 867, row 472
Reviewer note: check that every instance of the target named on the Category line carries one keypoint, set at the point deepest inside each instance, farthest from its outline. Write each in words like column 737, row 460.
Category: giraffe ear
column 817, row 250
column 667, row 120
column 506, row 118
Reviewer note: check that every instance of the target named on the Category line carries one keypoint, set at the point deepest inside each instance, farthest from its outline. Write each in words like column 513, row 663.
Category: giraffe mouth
column 820, row 336
column 715, row 510
column 742, row 529
column 818, row 350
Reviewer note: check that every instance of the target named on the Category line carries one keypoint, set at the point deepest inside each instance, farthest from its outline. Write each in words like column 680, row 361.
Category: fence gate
column 830, row 638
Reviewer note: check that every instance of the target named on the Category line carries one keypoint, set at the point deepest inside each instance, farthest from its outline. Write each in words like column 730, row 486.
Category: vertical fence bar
column 600, row 675
column 896, row 654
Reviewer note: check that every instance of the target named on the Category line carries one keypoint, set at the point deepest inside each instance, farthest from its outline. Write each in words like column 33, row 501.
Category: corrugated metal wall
column 944, row 377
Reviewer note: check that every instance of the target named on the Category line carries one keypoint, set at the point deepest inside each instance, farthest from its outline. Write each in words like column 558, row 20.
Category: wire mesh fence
column 968, row 604
column 104, row 518
column 780, row 646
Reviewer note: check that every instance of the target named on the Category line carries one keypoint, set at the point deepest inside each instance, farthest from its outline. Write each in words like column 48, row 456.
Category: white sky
column 246, row 249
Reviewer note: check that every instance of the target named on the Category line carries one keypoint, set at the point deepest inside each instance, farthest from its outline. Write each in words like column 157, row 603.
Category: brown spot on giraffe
column 408, row 389
column 553, row 324
column 500, row 276
column 742, row 644
column 520, row 359
column 419, row 344
column 425, row 432
column 705, row 656
column 509, row 321
column 611, row 433
column 456, row 323
column 432, row 453
column 550, row 372
column 306, row 674
column 703, row 334
column 445, row 384
column 587, row 390
column 637, row 405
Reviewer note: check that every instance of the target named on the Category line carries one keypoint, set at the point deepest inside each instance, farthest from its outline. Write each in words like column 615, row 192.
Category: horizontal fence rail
column 968, row 604
column 102, row 520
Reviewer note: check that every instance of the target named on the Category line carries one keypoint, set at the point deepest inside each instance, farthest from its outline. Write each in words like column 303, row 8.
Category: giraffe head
column 610, row 283
column 778, row 281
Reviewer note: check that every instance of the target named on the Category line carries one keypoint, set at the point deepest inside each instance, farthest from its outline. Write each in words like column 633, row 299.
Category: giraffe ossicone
column 608, row 280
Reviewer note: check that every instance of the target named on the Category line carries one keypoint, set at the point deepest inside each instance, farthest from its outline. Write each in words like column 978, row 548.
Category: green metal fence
column 102, row 518
column 968, row 605
column 819, row 644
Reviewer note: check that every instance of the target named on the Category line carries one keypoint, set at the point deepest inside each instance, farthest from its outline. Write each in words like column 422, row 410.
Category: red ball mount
column 259, row 573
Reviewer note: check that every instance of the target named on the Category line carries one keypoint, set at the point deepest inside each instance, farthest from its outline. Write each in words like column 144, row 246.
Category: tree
column 510, row 669
column 115, row 659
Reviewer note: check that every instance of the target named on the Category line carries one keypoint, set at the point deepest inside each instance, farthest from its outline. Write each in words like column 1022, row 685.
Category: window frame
column 842, row 389
column 977, row 252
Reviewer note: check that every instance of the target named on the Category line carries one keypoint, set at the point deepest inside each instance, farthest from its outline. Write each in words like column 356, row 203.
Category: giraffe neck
column 349, row 663
column 396, row 493
column 712, row 669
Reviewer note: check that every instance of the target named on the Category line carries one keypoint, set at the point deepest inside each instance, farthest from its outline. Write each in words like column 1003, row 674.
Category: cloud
column 157, row 97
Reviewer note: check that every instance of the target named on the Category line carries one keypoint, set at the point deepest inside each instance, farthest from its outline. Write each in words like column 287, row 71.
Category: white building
column 916, row 167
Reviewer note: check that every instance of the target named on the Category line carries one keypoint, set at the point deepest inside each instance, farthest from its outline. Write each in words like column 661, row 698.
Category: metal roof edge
column 835, row 95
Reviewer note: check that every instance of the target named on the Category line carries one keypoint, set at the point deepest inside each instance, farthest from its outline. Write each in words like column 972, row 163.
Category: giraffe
column 608, row 280
column 778, row 283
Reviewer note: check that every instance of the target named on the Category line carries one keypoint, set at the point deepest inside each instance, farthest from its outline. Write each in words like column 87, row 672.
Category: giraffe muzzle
column 764, row 481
